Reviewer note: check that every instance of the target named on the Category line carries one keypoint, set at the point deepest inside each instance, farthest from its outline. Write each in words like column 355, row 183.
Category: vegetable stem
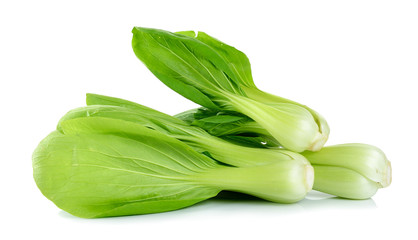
column 284, row 182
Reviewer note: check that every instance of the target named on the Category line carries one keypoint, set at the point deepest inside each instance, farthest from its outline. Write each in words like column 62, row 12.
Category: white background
column 355, row 62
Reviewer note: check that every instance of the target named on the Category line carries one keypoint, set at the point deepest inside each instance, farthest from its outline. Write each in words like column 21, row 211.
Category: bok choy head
column 100, row 167
column 218, row 77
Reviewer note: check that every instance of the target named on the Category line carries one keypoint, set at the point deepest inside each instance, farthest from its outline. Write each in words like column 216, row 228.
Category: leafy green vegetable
column 216, row 76
column 240, row 64
column 99, row 167
column 115, row 157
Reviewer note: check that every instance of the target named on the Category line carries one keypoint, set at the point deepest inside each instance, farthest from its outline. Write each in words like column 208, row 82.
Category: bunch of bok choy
column 115, row 157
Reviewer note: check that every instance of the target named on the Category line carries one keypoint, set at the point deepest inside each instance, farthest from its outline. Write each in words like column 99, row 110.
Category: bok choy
column 218, row 77
column 100, row 167
column 114, row 157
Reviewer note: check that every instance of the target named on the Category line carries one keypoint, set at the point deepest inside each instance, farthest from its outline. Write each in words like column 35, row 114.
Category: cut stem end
column 319, row 142
column 309, row 176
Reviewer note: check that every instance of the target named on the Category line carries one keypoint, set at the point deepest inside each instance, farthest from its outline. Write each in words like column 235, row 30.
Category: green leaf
column 89, row 172
column 191, row 34
column 126, row 129
column 188, row 66
column 187, row 116
column 198, row 114
column 97, row 99
column 225, row 123
column 120, row 109
column 237, row 60
column 250, row 141
column 222, row 119
column 136, row 109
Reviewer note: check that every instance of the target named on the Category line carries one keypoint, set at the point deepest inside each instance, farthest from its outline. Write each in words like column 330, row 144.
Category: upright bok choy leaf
column 200, row 73
column 240, row 64
column 101, row 167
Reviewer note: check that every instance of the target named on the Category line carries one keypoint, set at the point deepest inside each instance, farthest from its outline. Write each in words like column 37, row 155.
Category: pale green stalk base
column 364, row 159
column 258, row 95
column 269, row 98
column 343, row 182
column 283, row 182
column 240, row 156
column 291, row 125
column 388, row 175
